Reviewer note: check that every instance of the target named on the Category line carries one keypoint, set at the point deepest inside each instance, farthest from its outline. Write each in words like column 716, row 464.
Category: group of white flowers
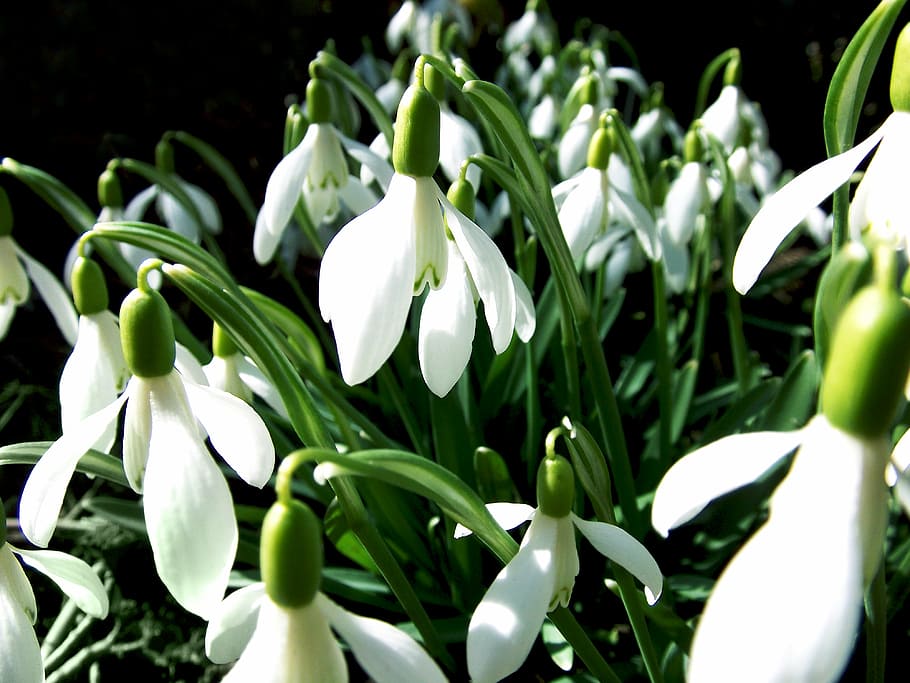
column 789, row 604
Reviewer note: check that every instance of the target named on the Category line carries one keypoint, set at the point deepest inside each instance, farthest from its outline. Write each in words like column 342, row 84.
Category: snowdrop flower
column 95, row 372
column 722, row 118
column 175, row 214
column 413, row 22
column 186, row 500
column 383, row 258
column 20, row 654
column 534, row 29
column 585, row 200
column 315, row 169
column 17, row 270
column 822, row 542
column 279, row 630
column 542, row 573
column 573, row 147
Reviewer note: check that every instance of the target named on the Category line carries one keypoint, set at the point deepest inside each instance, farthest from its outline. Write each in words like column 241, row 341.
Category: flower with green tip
column 20, row 653
column 541, row 575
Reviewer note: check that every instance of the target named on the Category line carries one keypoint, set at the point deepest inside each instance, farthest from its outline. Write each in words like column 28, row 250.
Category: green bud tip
column 6, row 215
column 600, row 148
column 693, row 145
column 415, row 149
column 222, row 345
column 435, row 82
column 147, row 334
column 109, row 191
column 290, row 554
column 733, row 73
column 318, row 100
column 900, row 72
column 461, row 194
column 89, row 287
column 868, row 364
column 555, row 486
column 164, row 156
column 589, row 90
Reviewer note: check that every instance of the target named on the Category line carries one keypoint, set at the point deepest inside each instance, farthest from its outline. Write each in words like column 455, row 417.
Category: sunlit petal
column 205, row 205
column 584, row 212
column 286, row 183
column 507, row 515
column 507, row 620
column 74, row 577
column 386, row 653
column 525, row 316
column 16, row 585
column 42, row 496
column 625, row 550
column 713, row 470
column 178, row 217
column 58, row 299
column 458, row 140
column 357, row 197
column 236, row 431
column 139, row 204
column 20, row 658
column 231, row 626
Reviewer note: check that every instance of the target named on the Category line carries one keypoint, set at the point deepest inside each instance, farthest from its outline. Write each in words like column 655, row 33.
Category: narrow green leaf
column 683, row 391
column 796, row 400
column 124, row 513
column 93, row 463
column 57, row 195
column 167, row 182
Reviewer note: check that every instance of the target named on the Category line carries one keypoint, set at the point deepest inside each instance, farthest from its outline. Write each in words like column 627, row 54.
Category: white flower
column 880, row 201
column 20, row 654
column 317, row 170
column 539, row 577
column 17, row 268
column 532, row 30
column 238, row 375
column 811, row 560
column 686, row 199
column 174, row 213
column 186, row 500
column 458, row 140
column 94, row 374
column 380, row 260
column 275, row 644
column 573, row 147
column 414, row 22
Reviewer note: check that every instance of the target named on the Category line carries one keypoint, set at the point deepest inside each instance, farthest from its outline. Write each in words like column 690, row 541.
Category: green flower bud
column 109, row 192
column 693, row 145
column 147, row 334
column 900, row 72
column 290, row 554
column 318, row 101
column 435, row 82
column 868, row 363
column 589, row 90
column 164, row 156
column 415, row 149
column 849, row 270
column 461, row 194
column 600, row 148
column 222, row 345
column 89, row 287
column 6, row 215
column 733, row 73
column 555, row 486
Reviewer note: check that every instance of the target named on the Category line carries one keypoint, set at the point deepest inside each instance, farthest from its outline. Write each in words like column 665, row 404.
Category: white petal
column 357, row 197
column 447, row 328
column 138, row 205
column 507, row 620
column 137, row 432
column 290, row 646
column 178, row 218
column 458, row 140
column 675, row 261
column 525, row 317
column 14, row 285
column 7, row 310
column 222, row 374
column 366, row 284
column 261, row 385
column 624, row 549
column 188, row 365
column 58, row 299
column 632, row 212
column 583, row 213
column 386, row 653
column 722, row 118
column 713, row 470
column 806, row 563
column 573, row 148
column 42, row 495
column 74, row 577
column 205, row 205
column 286, row 183
column 16, row 585
column 231, row 626
column 431, row 245
column 489, row 273
column 20, row 654
column 507, row 515
column 237, row 432
column 373, row 160
column 188, row 509
column 687, row 195
column 265, row 242
column 783, row 210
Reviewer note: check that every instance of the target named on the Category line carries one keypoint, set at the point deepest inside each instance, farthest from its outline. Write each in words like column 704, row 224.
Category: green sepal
column 109, row 190
column 867, row 369
column 290, row 554
column 318, row 101
column 555, row 486
column 600, row 148
column 900, row 72
column 415, row 150
column 89, row 287
column 461, row 194
column 6, row 215
column 590, row 464
column 222, row 345
column 147, row 334
column 164, row 156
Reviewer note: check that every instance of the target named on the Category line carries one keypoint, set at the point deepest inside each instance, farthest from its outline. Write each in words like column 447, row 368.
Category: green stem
column 664, row 369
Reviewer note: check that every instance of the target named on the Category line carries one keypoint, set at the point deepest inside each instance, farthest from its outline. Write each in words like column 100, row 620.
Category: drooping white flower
column 533, row 30
column 539, row 578
column 20, row 654
column 573, row 147
column 413, row 23
column 880, row 201
column 275, row 644
column 686, row 198
column 174, row 213
column 811, row 560
column 17, row 271
column 458, row 140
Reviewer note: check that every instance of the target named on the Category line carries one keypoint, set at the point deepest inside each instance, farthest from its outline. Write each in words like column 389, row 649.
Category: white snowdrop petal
column 74, row 577
column 58, row 299
column 231, row 626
